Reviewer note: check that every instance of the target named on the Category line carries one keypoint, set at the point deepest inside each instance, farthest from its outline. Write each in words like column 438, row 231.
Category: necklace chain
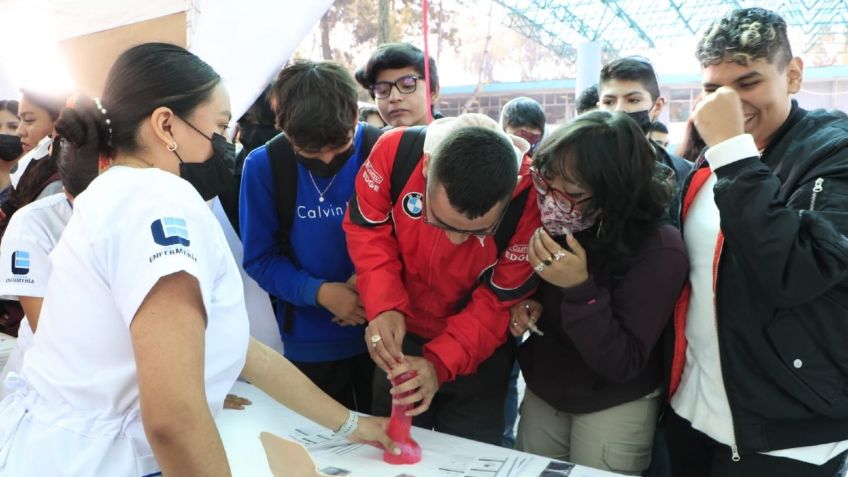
column 319, row 191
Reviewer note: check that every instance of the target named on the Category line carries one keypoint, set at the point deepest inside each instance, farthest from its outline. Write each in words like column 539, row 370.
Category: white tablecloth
column 240, row 433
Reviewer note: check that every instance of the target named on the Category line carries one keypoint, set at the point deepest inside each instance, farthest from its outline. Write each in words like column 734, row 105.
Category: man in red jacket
column 436, row 288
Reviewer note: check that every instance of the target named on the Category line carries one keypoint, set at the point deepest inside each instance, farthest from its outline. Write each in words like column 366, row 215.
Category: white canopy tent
column 64, row 45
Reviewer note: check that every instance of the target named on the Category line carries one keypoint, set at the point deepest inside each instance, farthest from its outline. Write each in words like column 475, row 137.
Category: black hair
column 523, row 112
column 588, row 99
column 146, row 77
column 632, row 68
column 390, row 56
column 478, row 168
column 52, row 103
column 10, row 105
column 260, row 112
column 609, row 155
column 316, row 104
column 745, row 35
column 659, row 127
column 78, row 130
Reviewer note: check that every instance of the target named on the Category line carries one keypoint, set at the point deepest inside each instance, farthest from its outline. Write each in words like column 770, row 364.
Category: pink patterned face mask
column 557, row 221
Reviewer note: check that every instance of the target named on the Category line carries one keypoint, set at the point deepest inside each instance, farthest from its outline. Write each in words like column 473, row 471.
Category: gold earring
column 172, row 147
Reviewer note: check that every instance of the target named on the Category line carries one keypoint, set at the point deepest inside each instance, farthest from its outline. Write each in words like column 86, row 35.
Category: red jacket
column 406, row 265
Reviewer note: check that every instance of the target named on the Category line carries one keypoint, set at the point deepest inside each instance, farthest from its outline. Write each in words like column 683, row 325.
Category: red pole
column 426, row 11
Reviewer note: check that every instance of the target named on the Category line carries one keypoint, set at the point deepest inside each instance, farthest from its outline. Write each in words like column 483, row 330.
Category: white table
column 240, row 433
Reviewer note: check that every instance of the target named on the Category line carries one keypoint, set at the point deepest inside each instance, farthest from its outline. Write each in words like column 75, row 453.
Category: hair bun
column 84, row 126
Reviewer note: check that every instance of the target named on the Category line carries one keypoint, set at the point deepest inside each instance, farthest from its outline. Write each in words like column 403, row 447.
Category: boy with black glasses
column 394, row 76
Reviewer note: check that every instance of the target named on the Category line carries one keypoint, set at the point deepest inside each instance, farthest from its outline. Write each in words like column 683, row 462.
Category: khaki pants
column 617, row 439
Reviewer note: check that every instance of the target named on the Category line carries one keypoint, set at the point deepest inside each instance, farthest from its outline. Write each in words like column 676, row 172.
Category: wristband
column 349, row 425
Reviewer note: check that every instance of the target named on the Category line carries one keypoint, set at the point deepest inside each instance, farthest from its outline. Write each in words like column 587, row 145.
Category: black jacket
column 681, row 168
column 782, row 286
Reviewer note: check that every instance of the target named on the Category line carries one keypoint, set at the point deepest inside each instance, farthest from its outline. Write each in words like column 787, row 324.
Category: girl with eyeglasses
column 612, row 267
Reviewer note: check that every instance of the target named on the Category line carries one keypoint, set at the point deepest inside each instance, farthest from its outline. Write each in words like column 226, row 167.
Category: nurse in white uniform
column 31, row 235
column 143, row 329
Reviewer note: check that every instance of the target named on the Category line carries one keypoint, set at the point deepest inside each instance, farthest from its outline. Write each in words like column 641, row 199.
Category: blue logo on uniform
column 20, row 262
column 170, row 231
column 413, row 204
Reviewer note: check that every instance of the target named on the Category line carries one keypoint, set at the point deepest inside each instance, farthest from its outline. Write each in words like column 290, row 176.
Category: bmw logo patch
column 413, row 204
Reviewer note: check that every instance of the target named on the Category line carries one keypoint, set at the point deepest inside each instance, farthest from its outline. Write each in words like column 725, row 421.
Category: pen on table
column 532, row 325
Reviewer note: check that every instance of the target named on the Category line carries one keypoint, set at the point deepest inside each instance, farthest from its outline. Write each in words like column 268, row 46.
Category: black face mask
column 216, row 175
column 643, row 119
column 10, row 147
column 319, row 168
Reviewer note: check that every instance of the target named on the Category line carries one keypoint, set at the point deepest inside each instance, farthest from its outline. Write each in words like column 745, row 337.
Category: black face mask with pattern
column 216, row 175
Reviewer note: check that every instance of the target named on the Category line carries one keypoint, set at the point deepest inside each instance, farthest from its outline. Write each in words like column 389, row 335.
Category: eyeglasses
column 441, row 225
column 405, row 84
column 564, row 200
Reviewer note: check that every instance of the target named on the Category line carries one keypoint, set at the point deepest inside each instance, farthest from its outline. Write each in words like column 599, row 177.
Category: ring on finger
column 540, row 267
column 548, row 261
column 559, row 255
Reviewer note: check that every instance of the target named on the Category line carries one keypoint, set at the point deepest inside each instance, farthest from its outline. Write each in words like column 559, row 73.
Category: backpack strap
column 284, row 171
column 510, row 220
column 369, row 138
column 503, row 235
column 407, row 156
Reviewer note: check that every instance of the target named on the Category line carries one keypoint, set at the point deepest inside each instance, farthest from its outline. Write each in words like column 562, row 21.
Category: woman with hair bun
column 143, row 329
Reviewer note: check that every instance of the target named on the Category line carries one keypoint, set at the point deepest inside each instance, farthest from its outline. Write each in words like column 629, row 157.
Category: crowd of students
column 671, row 315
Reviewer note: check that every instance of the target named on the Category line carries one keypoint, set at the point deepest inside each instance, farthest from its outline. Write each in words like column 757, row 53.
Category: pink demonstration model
column 398, row 431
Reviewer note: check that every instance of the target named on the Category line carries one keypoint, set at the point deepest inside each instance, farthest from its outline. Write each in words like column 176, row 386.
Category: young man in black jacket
column 758, row 383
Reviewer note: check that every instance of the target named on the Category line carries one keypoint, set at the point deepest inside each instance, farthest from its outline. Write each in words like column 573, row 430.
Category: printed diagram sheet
column 319, row 439
column 468, row 466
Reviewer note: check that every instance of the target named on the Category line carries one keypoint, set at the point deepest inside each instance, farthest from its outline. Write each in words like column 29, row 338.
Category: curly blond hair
column 743, row 36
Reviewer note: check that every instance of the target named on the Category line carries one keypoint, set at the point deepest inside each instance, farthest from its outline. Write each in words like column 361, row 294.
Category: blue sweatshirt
column 319, row 249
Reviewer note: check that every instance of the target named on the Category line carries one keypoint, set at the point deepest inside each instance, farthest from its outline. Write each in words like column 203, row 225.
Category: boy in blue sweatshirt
column 319, row 312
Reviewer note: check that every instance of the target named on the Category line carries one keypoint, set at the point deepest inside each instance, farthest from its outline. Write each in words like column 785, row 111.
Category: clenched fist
column 719, row 116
